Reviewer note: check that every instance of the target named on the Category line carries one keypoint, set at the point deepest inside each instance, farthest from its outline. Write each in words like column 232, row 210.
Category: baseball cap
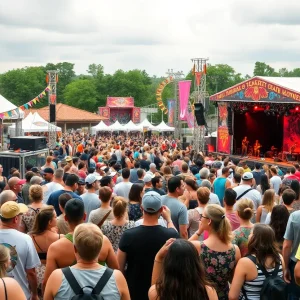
column 35, row 170
column 100, row 165
column 247, row 176
column 151, row 202
column 91, row 178
column 81, row 181
column 10, row 209
column 69, row 158
column 147, row 178
column 217, row 165
column 21, row 181
column 111, row 174
column 47, row 170
column 55, row 153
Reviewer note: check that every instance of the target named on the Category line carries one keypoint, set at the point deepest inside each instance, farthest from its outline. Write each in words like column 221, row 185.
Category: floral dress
column 219, row 268
column 241, row 239
column 134, row 212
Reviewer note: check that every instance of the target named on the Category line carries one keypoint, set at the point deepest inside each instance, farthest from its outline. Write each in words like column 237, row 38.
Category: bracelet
column 159, row 262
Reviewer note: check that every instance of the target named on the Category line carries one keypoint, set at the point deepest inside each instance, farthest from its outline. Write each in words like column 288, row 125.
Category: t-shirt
column 53, row 199
column 298, row 253
column 234, row 220
column 276, row 182
column 178, row 210
column 23, row 256
column 141, row 244
column 253, row 195
column 213, row 199
column 49, row 188
column 122, row 189
column 257, row 176
column 133, row 175
column 91, row 202
column 98, row 214
column 240, row 239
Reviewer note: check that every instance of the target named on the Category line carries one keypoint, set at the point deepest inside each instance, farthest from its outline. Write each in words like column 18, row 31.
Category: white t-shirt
column 213, row 199
column 50, row 188
column 161, row 222
column 253, row 194
column 122, row 189
column 23, row 256
column 276, row 182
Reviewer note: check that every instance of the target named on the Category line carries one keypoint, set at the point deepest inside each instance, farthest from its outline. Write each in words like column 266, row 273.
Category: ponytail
column 119, row 207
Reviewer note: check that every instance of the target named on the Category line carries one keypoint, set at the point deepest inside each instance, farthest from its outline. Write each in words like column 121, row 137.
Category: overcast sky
column 153, row 35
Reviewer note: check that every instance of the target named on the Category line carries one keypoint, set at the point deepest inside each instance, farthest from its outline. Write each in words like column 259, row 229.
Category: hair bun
column 247, row 209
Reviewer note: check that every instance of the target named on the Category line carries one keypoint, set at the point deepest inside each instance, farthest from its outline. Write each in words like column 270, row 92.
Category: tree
column 262, row 69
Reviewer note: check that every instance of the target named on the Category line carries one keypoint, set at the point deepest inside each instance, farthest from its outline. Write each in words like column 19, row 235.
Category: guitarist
column 256, row 148
column 245, row 143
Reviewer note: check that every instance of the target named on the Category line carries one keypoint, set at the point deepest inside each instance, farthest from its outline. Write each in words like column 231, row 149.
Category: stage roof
column 263, row 89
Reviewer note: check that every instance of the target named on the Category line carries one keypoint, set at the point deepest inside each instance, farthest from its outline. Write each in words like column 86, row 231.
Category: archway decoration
column 159, row 92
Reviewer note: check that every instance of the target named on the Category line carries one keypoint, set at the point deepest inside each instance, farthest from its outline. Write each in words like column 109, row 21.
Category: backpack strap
column 274, row 273
column 241, row 195
column 253, row 259
column 102, row 281
column 77, row 289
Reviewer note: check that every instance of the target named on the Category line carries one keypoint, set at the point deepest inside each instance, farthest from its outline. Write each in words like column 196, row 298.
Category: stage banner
column 223, row 139
column 291, row 133
column 120, row 102
column 184, row 93
column 105, row 112
column 136, row 115
column 171, row 112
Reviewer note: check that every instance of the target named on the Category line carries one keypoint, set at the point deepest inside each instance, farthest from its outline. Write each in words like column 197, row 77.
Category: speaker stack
column 229, row 121
column 199, row 114
column 29, row 143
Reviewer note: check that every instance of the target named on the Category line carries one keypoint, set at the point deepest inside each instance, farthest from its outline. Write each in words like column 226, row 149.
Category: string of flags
column 15, row 112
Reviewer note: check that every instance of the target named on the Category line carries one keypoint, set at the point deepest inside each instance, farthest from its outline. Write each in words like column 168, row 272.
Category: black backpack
column 274, row 286
column 78, row 290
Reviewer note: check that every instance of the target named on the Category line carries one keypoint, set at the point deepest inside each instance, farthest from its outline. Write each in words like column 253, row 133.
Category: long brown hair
column 4, row 257
column 42, row 220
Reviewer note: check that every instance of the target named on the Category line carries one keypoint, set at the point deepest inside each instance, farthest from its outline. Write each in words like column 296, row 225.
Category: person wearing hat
column 81, row 187
column 15, row 184
column 148, row 182
column 24, row 257
column 138, row 246
column 47, row 174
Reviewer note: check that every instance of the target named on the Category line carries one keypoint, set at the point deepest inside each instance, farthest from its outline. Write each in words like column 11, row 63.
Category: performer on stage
column 256, row 148
column 245, row 143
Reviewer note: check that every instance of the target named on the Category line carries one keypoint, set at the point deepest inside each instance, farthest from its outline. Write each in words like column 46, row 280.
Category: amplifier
column 30, row 143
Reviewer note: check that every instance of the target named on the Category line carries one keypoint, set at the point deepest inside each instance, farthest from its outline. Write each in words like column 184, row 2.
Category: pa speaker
column 30, row 143
column 229, row 120
column 52, row 113
column 199, row 114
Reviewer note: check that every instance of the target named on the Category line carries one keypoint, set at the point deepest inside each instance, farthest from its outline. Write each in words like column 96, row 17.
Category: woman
column 190, row 194
column 3, row 179
column 171, row 276
column 245, row 210
column 248, row 275
column 36, row 198
column 268, row 203
column 88, row 240
column 295, row 186
column 114, row 229
column 267, row 171
column 279, row 218
column 167, row 174
column 264, row 184
column 217, row 252
column 135, row 199
column 43, row 235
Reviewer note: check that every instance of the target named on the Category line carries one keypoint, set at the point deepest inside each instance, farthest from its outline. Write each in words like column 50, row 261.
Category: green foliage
column 262, row 69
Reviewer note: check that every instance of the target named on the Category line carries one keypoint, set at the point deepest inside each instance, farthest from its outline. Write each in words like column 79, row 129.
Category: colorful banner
column 136, row 115
column 105, row 112
column 190, row 119
column 171, row 112
column 223, row 139
column 184, row 93
column 291, row 133
column 120, row 102
column 159, row 93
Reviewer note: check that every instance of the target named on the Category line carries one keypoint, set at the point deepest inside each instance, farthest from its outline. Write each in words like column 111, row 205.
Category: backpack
column 274, row 287
column 78, row 290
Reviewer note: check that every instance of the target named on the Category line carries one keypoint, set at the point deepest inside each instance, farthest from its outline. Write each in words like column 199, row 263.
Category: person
column 236, row 180
column 15, row 184
column 190, row 193
column 229, row 202
column 140, row 174
column 81, row 187
column 213, row 198
column 9, row 287
column 61, row 223
column 43, row 235
column 47, row 175
column 240, row 235
column 7, row 195
column 90, row 198
column 245, row 143
column 268, row 203
column 217, row 252
column 178, row 210
column 61, row 253
column 135, row 199
column 55, row 185
column 144, row 163
column 262, row 251
column 288, row 198
column 70, row 188
column 104, row 212
column 245, row 167
column 23, row 256
column 221, row 184
column 114, row 229
column 157, row 184
column 138, row 246
column 264, row 184
column 3, row 179
column 295, row 186
column 133, row 172
column 256, row 148
column 88, row 243
column 36, row 198
column 122, row 189
column 26, row 186
column 171, row 276
column 257, row 174
column 275, row 180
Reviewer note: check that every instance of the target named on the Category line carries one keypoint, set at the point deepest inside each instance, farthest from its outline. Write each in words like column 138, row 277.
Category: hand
column 164, row 250
column 166, row 213
column 287, row 276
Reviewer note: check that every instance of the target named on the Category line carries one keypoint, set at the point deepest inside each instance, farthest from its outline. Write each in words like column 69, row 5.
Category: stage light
column 255, row 107
column 297, row 108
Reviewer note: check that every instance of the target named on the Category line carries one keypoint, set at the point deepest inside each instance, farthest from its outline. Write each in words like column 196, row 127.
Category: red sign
column 223, row 140
column 136, row 115
column 120, row 102
column 105, row 112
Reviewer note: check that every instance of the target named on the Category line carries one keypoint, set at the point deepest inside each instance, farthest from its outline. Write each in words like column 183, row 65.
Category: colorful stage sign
column 120, row 102
column 224, row 139
column 136, row 115
column 257, row 89
column 171, row 112
column 291, row 133
column 105, row 112
column 159, row 92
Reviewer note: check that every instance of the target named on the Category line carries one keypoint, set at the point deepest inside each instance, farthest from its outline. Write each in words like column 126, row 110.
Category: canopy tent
column 8, row 106
column 100, row 127
column 116, row 127
column 130, row 126
column 147, row 124
column 163, row 127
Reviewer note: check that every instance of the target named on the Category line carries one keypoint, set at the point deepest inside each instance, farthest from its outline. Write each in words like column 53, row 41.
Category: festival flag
column 9, row 113
column 198, row 77
column 184, row 92
column 1, row 116
column 204, row 69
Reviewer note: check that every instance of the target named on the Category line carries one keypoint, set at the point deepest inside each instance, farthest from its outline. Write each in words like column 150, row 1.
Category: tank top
column 219, row 188
column 263, row 216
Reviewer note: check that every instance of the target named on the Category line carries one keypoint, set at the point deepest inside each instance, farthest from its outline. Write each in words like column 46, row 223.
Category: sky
column 151, row 35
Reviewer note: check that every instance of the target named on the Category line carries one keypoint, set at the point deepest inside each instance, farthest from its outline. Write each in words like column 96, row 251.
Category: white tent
column 100, row 127
column 116, row 127
column 163, row 127
column 147, row 124
column 130, row 126
column 6, row 105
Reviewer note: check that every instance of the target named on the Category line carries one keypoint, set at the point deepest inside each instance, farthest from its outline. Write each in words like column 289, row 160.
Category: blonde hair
column 240, row 170
column 119, row 206
column 203, row 194
column 35, row 193
column 268, row 199
column 245, row 208
column 88, row 240
column 219, row 223
column 4, row 258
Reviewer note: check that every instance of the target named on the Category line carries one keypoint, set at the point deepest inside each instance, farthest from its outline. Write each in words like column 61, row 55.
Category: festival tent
column 146, row 124
column 130, row 126
column 8, row 106
column 100, row 127
column 116, row 127
column 163, row 127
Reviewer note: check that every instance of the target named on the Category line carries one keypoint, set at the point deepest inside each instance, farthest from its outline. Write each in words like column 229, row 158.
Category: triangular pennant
column 34, row 101
column 1, row 116
column 26, row 105
column 9, row 113
column 194, row 69
column 22, row 107
column 6, row 114
column 44, row 93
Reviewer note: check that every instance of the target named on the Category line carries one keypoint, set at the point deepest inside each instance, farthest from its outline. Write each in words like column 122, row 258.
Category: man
column 26, row 186
column 178, row 162
column 229, row 201
column 36, row 180
column 61, row 253
column 256, row 148
column 6, row 196
column 245, row 167
column 55, row 185
column 15, row 184
column 23, row 256
column 152, row 168
column 81, row 187
column 47, row 175
column 203, row 174
column 275, row 180
column 70, row 188
column 138, row 246
column 90, row 198
column 157, row 184
column 133, row 172
column 107, row 181
column 144, row 163
column 245, row 143
column 147, row 183
column 74, row 167
column 62, row 224
column 257, row 174
column 213, row 198
column 178, row 210
column 140, row 174
column 288, row 180
column 221, row 184
column 297, row 173
column 122, row 189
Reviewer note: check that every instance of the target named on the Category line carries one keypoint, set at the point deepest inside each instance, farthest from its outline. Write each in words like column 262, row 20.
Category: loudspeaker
column 31, row 143
column 52, row 113
column 199, row 114
column 229, row 121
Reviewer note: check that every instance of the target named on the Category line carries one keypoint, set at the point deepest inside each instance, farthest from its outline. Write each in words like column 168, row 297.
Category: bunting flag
column 13, row 112
column 198, row 77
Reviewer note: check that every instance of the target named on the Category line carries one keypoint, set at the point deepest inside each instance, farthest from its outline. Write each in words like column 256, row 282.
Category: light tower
column 199, row 131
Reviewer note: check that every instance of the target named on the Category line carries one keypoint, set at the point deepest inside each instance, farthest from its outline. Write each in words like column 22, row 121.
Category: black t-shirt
column 257, row 176
column 144, row 164
column 141, row 244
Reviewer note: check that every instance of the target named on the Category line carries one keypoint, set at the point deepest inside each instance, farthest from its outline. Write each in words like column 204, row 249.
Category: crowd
column 128, row 218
